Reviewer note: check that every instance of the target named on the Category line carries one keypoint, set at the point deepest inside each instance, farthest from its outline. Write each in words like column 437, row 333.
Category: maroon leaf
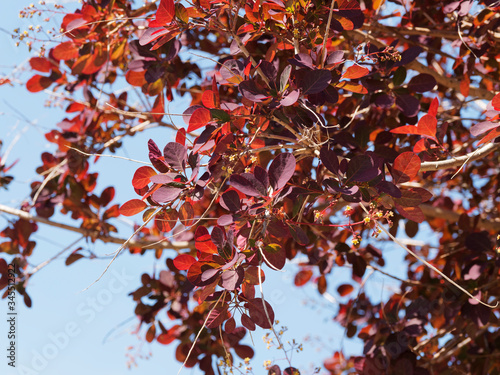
column 411, row 213
column 175, row 155
column 248, row 184
column 422, row 83
column 361, row 168
column 329, row 159
column 250, row 91
column 217, row 317
column 230, row 200
column 281, row 170
column 302, row 60
column 165, row 220
column 315, row 81
column 389, row 188
column 156, row 157
column 247, row 322
column 408, row 104
column 258, row 313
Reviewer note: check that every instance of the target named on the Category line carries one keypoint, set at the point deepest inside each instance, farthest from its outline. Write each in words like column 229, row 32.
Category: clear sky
column 89, row 332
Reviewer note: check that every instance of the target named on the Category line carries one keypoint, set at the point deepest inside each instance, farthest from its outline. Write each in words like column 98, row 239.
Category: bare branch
column 177, row 246
column 459, row 160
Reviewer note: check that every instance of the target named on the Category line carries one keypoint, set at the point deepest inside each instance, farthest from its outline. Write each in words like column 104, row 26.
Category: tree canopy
column 315, row 129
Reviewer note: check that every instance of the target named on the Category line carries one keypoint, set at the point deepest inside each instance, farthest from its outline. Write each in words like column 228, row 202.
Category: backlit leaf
column 200, row 118
column 355, row 71
column 406, row 166
column 281, row 170
column 132, row 207
column 142, row 177
column 183, row 261
column 165, row 13
column 165, row 220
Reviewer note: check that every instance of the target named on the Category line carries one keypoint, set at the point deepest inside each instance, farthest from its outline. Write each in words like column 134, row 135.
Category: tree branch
column 415, row 65
column 459, row 160
column 177, row 246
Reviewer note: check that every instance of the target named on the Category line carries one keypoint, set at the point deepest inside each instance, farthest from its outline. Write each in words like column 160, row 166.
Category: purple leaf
column 290, row 98
column 225, row 220
column 250, row 91
column 329, row 159
column 408, row 104
column 281, row 170
column 208, row 274
column 232, row 279
column 451, row 7
column 230, row 200
column 315, row 81
column 151, row 34
column 163, row 178
column 361, row 169
column 302, row 60
column 331, row 94
column 166, row 194
column 261, row 175
column 483, row 127
column 175, row 155
column 269, row 70
column 383, row 100
column 389, row 188
column 409, row 55
column 247, row 185
column 218, row 237
column 422, row 83
column 335, row 57
column 232, row 68
column 298, row 234
column 333, row 187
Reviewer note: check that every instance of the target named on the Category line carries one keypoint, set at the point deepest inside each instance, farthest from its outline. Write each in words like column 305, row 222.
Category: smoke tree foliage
column 315, row 129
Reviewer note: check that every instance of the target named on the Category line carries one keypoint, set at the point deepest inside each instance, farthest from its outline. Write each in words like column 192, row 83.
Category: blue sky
column 66, row 328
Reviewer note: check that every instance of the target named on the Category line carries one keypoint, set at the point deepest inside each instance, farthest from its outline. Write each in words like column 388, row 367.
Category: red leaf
column 355, row 71
column 406, row 166
column 165, row 338
column 186, row 214
column 183, row 261
column 200, row 118
column 420, row 146
column 180, row 137
column 203, row 241
column 40, row 64
column 65, row 51
column 142, row 177
column 132, row 207
column 208, row 99
column 491, row 135
column 158, row 110
column 302, row 277
column 426, row 127
column 165, row 220
column 165, row 13
column 465, row 86
column 495, row 102
column 38, row 83
column 433, row 109
column 353, row 87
